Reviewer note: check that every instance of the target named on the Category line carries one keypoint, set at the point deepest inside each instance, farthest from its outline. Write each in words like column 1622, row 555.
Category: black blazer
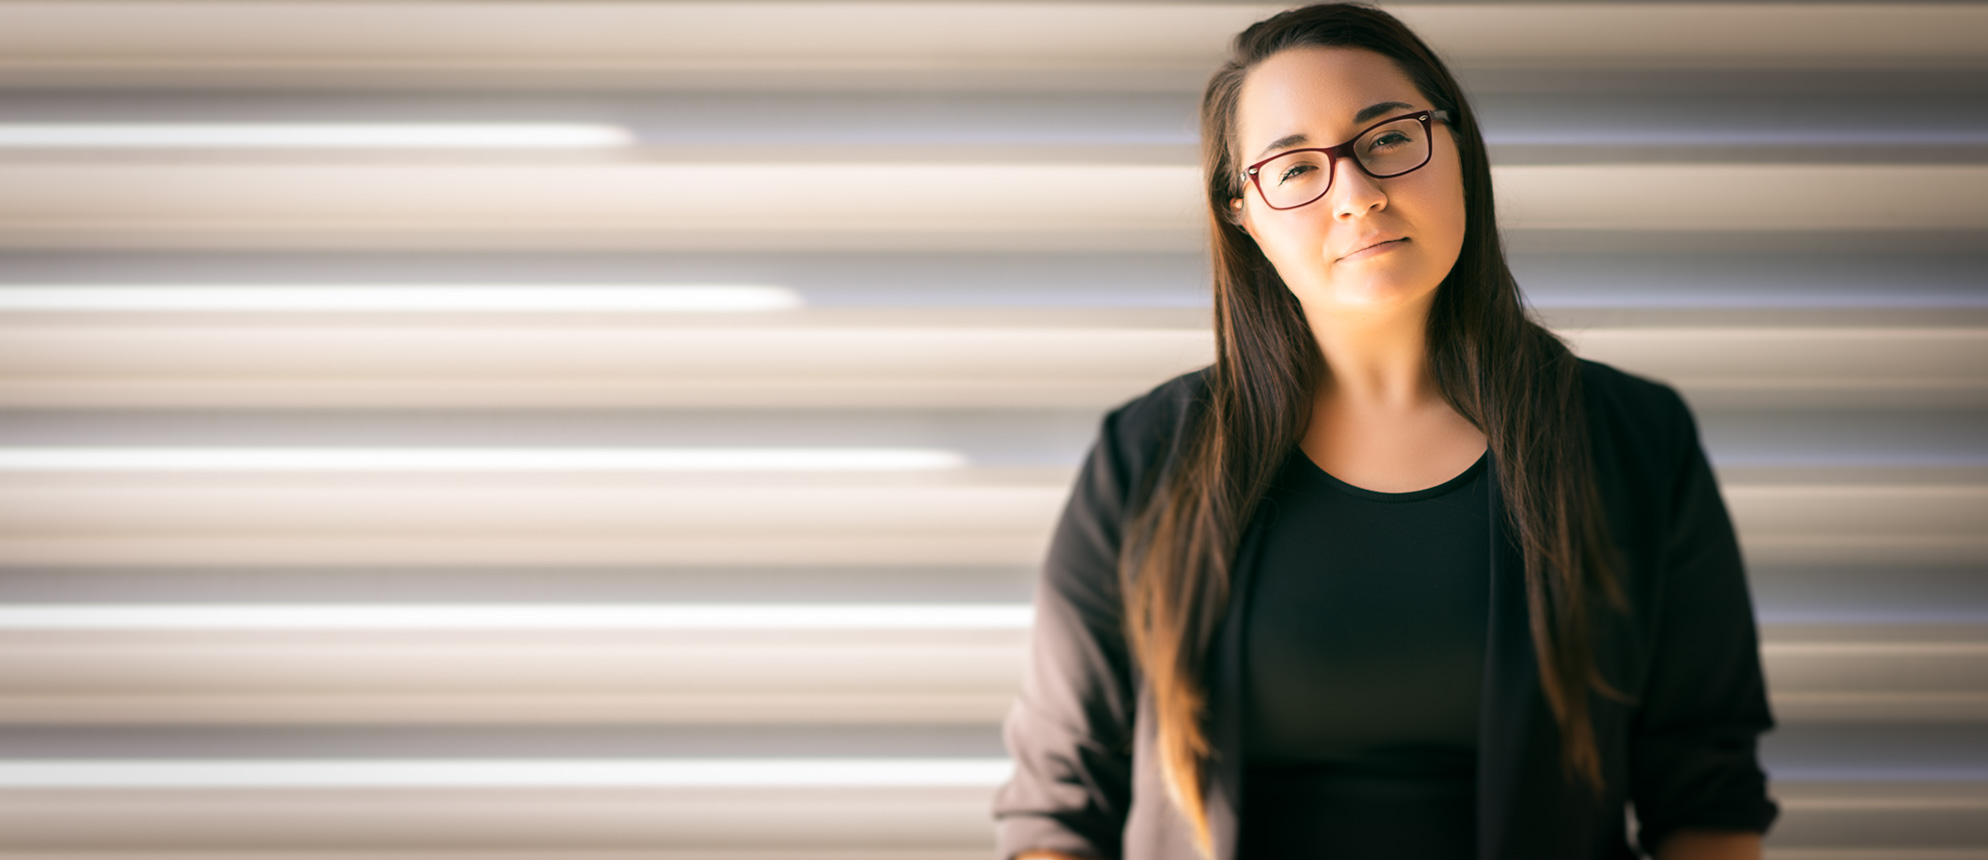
column 1081, row 734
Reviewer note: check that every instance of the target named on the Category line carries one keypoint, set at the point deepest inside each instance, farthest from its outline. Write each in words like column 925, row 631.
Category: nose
column 1353, row 192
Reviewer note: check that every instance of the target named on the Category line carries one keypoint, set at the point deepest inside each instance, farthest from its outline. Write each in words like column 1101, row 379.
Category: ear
column 1239, row 216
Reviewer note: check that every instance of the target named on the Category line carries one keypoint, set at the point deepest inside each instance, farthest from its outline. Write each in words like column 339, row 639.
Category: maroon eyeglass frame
column 1334, row 153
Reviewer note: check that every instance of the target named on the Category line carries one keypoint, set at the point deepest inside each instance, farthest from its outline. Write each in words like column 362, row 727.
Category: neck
column 1375, row 360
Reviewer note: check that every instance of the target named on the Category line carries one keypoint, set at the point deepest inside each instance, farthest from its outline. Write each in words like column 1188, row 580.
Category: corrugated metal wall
column 587, row 430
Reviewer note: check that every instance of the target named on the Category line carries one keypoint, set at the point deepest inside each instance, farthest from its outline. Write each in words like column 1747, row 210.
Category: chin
column 1378, row 294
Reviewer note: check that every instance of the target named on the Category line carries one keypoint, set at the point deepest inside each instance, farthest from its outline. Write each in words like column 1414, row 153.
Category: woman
column 1398, row 576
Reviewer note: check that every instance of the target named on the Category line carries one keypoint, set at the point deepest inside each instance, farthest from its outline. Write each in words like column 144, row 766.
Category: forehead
column 1315, row 91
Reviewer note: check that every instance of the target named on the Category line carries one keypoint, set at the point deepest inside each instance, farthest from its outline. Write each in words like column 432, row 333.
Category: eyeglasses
column 1387, row 148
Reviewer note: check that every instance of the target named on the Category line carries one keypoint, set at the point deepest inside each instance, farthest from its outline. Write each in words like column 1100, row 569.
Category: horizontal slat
column 1872, row 816
column 503, row 820
column 921, row 708
column 686, row 365
column 592, row 205
column 1861, row 277
column 884, row 742
column 518, row 674
column 510, row 676
column 1752, row 439
column 1003, row 438
column 1887, row 818
column 120, row 203
column 1877, row 672
column 664, row 852
column 1884, row 123
column 1834, row 592
column 971, row 516
column 822, row 358
column 1887, row 592
column 1149, row 45
column 966, row 503
column 303, row 581
column 432, row 617
column 704, row 773
column 656, row 853
column 596, row 548
column 1792, row 752
column 960, row 516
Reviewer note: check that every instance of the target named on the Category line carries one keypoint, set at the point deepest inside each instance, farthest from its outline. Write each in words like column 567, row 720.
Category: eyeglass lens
column 1387, row 150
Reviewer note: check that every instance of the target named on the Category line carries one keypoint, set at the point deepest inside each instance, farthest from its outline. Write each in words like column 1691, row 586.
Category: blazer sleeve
column 1069, row 733
column 1692, row 744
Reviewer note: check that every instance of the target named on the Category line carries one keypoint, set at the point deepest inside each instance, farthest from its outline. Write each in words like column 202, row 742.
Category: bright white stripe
column 381, row 135
column 1873, row 649
column 478, row 459
column 377, row 297
column 532, row 616
column 510, row 773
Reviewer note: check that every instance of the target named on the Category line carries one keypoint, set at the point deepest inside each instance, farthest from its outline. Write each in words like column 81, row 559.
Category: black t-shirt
column 1364, row 662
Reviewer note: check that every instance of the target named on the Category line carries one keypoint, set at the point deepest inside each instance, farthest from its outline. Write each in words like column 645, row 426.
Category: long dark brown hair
column 1500, row 369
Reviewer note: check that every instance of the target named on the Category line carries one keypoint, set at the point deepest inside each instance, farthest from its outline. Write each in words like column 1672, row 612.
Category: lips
column 1372, row 241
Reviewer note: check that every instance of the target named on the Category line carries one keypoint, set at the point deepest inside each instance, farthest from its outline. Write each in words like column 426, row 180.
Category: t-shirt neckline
column 1446, row 486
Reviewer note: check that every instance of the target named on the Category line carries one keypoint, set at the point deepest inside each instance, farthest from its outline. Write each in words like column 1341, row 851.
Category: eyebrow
column 1366, row 113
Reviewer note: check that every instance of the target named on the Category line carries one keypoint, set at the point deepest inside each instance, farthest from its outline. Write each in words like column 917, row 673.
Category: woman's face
column 1317, row 92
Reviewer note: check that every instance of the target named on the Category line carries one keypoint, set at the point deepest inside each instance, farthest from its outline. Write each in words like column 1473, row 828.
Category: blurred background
column 593, row 430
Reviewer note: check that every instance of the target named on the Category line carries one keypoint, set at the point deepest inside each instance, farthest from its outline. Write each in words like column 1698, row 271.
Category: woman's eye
column 1294, row 172
column 1390, row 139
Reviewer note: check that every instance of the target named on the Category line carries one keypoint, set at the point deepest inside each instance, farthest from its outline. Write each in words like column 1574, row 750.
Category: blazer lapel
column 1515, row 728
column 1225, row 720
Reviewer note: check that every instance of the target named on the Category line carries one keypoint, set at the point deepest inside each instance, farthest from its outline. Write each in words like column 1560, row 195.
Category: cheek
column 1442, row 215
column 1455, row 224
column 1456, row 204
column 1297, row 249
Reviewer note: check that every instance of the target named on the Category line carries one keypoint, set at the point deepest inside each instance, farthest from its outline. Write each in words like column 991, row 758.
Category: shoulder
column 1636, row 415
column 1145, row 431
column 1618, row 392
column 1167, row 403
